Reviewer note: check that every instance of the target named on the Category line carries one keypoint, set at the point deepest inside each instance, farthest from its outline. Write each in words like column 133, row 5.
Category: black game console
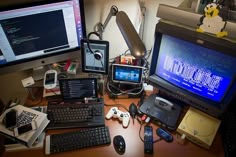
column 161, row 111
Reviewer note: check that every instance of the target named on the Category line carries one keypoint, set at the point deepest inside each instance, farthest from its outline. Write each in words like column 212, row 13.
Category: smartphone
column 50, row 79
column 24, row 128
column 10, row 118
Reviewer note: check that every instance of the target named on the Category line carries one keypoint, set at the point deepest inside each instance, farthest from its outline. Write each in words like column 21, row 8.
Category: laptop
column 79, row 105
column 78, row 89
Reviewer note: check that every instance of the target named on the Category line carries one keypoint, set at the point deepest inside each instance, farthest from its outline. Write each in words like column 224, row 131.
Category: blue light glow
column 202, row 71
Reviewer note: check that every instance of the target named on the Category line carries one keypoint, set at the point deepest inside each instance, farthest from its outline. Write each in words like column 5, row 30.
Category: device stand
column 100, row 81
column 124, row 89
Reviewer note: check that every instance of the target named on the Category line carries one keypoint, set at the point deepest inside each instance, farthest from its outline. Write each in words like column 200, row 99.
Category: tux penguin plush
column 211, row 21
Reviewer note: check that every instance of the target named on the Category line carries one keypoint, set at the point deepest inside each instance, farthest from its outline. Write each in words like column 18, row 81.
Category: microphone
column 130, row 35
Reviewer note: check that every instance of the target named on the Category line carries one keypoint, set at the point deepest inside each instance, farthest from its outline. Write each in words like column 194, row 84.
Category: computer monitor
column 195, row 68
column 127, row 74
column 40, row 33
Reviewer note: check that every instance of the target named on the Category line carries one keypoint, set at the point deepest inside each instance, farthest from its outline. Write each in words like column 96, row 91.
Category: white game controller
column 122, row 116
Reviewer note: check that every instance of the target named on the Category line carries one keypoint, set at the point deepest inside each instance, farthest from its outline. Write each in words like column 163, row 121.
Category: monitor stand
column 38, row 72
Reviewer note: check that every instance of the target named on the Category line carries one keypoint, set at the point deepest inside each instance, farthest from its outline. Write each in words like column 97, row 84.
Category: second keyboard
column 84, row 138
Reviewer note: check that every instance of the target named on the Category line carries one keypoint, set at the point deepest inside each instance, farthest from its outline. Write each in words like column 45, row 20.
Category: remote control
column 148, row 140
column 164, row 135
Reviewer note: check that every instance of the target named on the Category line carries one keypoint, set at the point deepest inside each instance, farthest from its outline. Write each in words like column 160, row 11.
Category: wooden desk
column 134, row 146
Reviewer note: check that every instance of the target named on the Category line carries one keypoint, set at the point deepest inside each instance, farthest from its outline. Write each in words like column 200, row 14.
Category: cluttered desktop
column 178, row 104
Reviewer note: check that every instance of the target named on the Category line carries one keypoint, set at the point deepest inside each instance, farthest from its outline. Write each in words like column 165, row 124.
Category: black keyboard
column 228, row 130
column 73, row 140
column 69, row 114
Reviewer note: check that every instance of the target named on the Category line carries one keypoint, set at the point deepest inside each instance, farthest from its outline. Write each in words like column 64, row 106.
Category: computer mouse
column 119, row 144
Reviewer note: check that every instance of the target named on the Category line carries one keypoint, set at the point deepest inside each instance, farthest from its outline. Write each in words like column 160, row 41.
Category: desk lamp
column 127, row 30
column 133, row 42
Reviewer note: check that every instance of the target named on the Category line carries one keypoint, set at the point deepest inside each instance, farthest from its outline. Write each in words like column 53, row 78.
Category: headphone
column 97, row 54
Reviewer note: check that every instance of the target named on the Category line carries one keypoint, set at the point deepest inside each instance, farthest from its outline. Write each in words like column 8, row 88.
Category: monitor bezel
column 127, row 66
column 209, row 41
column 47, row 59
column 105, row 55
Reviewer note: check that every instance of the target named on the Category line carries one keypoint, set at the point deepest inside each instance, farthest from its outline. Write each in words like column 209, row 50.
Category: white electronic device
column 50, row 79
column 199, row 127
column 114, row 112
column 25, row 128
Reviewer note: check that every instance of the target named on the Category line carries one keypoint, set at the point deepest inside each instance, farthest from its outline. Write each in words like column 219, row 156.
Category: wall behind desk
column 95, row 11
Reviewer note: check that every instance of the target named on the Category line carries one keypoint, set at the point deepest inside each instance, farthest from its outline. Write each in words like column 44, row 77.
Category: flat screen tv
column 40, row 33
column 195, row 68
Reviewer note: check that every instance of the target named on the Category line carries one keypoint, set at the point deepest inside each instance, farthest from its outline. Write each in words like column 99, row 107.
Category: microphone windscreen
column 130, row 35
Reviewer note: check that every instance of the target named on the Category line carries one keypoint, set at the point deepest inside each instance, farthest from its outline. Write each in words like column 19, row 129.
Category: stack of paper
column 24, row 116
